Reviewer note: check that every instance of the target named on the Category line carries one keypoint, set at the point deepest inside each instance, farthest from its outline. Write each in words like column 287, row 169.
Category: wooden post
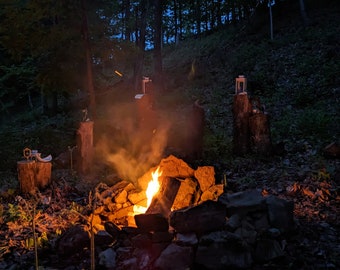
column 85, row 146
column 260, row 134
column 33, row 174
column 241, row 113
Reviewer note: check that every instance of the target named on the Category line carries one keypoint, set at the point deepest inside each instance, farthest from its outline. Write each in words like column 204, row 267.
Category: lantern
column 241, row 85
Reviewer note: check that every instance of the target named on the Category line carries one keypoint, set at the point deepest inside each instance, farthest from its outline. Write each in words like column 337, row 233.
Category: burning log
column 156, row 216
column 163, row 200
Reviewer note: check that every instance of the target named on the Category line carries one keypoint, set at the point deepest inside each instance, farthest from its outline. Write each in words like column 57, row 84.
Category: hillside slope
column 295, row 74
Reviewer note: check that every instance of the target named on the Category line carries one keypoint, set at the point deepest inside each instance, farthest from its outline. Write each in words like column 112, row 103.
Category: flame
column 153, row 186
column 152, row 189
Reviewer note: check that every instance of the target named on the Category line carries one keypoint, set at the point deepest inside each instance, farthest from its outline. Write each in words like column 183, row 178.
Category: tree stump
column 260, row 134
column 85, row 146
column 241, row 114
column 33, row 175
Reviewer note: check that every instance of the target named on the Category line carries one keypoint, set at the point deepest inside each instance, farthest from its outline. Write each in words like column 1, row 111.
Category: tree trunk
column 51, row 99
column 138, row 69
column 127, row 20
column 158, row 66
column 90, row 86
column 303, row 13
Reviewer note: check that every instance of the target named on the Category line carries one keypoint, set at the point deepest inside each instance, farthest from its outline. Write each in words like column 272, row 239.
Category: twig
column 35, row 240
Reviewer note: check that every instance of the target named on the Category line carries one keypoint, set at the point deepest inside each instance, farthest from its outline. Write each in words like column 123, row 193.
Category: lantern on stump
column 241, row 85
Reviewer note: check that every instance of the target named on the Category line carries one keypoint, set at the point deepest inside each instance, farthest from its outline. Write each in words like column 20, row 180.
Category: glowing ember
column 152, row 189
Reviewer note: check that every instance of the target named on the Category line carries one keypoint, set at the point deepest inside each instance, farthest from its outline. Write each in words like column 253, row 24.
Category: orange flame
column 152, row 189
column 153, row 186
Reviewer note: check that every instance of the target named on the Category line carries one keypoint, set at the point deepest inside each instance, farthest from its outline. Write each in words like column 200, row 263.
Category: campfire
column 173, row 209
column 170, row 186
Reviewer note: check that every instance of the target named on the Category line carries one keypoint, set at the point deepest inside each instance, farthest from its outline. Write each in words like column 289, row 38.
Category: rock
column 121, row 213
column 205, row 176
column 128, row 264
column 243, row 202
column 273, row 232
column 144, row 258
column 247, row 232
column 212, row 193
column 121, row 197
column 223, row 250
column 186, row 239
column 103, row 238
column 234, row 222
column 280, row 213
column 187, row 194
column 260, row 221
column 141, row 241
column 175, row 257
column 138, row 198
column 152, row 222
column 73, row 240
column 160, row 237
column 175, row 167
column 112, row 229
column 205, row 217
column 267, row 249
column 170, row 167
column 107, row 258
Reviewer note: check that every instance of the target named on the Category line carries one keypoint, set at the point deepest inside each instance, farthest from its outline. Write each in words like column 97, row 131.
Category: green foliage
column 313, row 122
column 17, row 83
column 16, row 212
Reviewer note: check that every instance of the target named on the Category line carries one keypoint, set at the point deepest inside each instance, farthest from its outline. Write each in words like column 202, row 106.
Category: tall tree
column 158, row 66
column 89, row 61
column 141, row 18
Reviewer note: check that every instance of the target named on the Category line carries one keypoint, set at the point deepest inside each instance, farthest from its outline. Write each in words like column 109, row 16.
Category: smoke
column 131, row 144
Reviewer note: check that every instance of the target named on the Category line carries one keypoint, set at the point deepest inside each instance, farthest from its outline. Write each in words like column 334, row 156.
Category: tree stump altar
column 251, row 131
column 85, row 146
column 260, row 134
column 241, row 134
column 33, row 175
